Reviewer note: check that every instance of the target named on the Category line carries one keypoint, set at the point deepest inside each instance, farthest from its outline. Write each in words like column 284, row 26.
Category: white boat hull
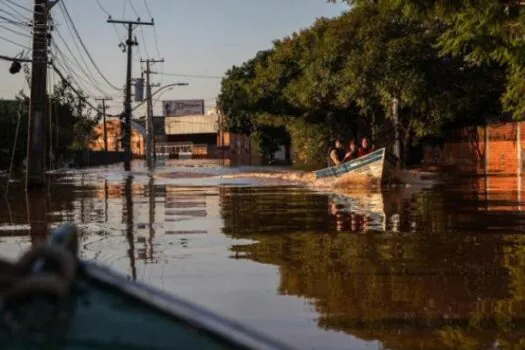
column 378, row 164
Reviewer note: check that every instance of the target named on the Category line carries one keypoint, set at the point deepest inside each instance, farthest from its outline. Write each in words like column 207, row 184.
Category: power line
column 13, row 59
column 25, row 35
column 90, row 81
column 102, row 8
column 66, row 12
column 11, row 21
column 14, row 16
column 133, row 8
column 19, row 6
column 68, row 83
column 192, row 76
column 15, row 10
column 86, row 72
column 69, row 72
column 15, row 43
column 106, row 12
column 154, row 28
column 141, row 29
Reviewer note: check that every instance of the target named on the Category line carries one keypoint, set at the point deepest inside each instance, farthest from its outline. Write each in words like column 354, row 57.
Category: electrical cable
column 68, row 16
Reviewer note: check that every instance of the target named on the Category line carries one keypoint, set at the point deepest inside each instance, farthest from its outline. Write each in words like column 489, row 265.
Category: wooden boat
column 378, row 164
column 102, row 310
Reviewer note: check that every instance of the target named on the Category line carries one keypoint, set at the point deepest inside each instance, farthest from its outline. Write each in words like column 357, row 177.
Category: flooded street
column 398, row 269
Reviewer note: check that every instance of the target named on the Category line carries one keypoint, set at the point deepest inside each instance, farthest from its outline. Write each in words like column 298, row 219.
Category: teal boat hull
column 108, row 311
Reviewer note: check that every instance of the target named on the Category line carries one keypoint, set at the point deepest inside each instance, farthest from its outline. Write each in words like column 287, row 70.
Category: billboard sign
column 179, row 108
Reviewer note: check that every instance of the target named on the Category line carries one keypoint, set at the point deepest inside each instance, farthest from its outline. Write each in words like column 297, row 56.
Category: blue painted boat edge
column 189, row 313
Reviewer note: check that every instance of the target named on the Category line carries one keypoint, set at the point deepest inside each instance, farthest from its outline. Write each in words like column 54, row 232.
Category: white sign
column 179, row 108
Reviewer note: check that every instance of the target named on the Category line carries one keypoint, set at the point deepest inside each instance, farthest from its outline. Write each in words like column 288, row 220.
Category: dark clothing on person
column 340, row 153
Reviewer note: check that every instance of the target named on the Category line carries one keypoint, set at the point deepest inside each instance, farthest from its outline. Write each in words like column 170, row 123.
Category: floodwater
column 406, row 268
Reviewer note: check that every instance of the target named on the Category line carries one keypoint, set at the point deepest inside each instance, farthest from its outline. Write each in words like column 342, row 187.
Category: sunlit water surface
column 400, row 269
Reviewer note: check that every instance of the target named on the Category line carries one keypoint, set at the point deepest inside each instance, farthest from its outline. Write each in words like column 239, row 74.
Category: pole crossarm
column 137, row 22
column 126, row 126
column 13, row 59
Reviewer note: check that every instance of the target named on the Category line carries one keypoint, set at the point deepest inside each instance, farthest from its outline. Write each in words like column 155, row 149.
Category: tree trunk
column 405, row 153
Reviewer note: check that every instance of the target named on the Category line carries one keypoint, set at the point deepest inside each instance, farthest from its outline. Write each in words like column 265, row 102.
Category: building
column 236, row 149
column 113, row 129
column 195, row 129
column 494, row 149
column 200, row 137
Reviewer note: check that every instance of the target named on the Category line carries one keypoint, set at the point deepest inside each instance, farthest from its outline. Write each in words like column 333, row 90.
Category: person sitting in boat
column 336, row 154
column 352, row 152
column 365, row 148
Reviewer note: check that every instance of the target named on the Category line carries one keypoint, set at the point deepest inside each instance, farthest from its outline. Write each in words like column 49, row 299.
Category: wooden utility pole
column 38, row 113
column 126, row 137
column 150, row 133
column 104, row 99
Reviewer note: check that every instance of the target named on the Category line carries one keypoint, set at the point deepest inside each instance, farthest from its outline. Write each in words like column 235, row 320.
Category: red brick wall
column 503, row 148
column 465, row 149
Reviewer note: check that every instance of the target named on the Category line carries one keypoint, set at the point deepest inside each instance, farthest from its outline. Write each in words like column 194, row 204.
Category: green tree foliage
column 269, row 138
column 480, row 32
column 344, row 74
column 70, row 127
column 11, row 113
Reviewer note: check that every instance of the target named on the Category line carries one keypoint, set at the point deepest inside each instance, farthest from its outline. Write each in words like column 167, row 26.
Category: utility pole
column 126, row 138
column 104, row 99
column 150, row 134
column 38, row 113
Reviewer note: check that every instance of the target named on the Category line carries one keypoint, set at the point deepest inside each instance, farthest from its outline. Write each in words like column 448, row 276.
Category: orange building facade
column 496, row 149
column 113, row 128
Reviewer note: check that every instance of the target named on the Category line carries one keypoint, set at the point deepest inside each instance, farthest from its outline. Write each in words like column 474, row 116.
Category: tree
column 482, row 33
column 71, row 126
column 236, row 96
column 341, row 76
column 13, row 112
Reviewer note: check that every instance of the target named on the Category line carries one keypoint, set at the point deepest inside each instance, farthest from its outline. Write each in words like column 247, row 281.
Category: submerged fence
column 82, row 159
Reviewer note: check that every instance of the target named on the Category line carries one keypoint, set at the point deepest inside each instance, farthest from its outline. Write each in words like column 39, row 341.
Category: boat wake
column 308, row 179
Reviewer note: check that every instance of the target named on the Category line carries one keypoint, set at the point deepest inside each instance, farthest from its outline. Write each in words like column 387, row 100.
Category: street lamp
column 169, row 87
column 150, row 139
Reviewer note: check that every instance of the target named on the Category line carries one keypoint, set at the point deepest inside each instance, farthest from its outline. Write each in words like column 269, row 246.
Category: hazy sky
column 195, row 37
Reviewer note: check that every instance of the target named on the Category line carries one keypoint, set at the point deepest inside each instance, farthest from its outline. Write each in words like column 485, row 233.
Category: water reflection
column 127, row 217
column 445, row 285
column 404, row 268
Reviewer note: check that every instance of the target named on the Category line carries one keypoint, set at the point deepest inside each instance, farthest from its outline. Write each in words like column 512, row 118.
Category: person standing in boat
column 336, row 154
column 352, row 152
column 365, row 148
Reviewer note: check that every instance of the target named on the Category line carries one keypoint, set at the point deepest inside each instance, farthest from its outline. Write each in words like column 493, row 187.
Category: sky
column 198, row 39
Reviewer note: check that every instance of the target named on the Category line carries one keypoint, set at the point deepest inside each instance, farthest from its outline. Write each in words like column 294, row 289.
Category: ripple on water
column 405, row 268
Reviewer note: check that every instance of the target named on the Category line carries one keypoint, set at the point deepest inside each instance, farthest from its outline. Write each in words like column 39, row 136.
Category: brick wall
column 465, row 149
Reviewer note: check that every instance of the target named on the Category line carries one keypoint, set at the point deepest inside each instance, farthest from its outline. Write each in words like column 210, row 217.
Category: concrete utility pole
column 38, row 113
column 104, row 99
column 150, row 134
column 126, row 137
